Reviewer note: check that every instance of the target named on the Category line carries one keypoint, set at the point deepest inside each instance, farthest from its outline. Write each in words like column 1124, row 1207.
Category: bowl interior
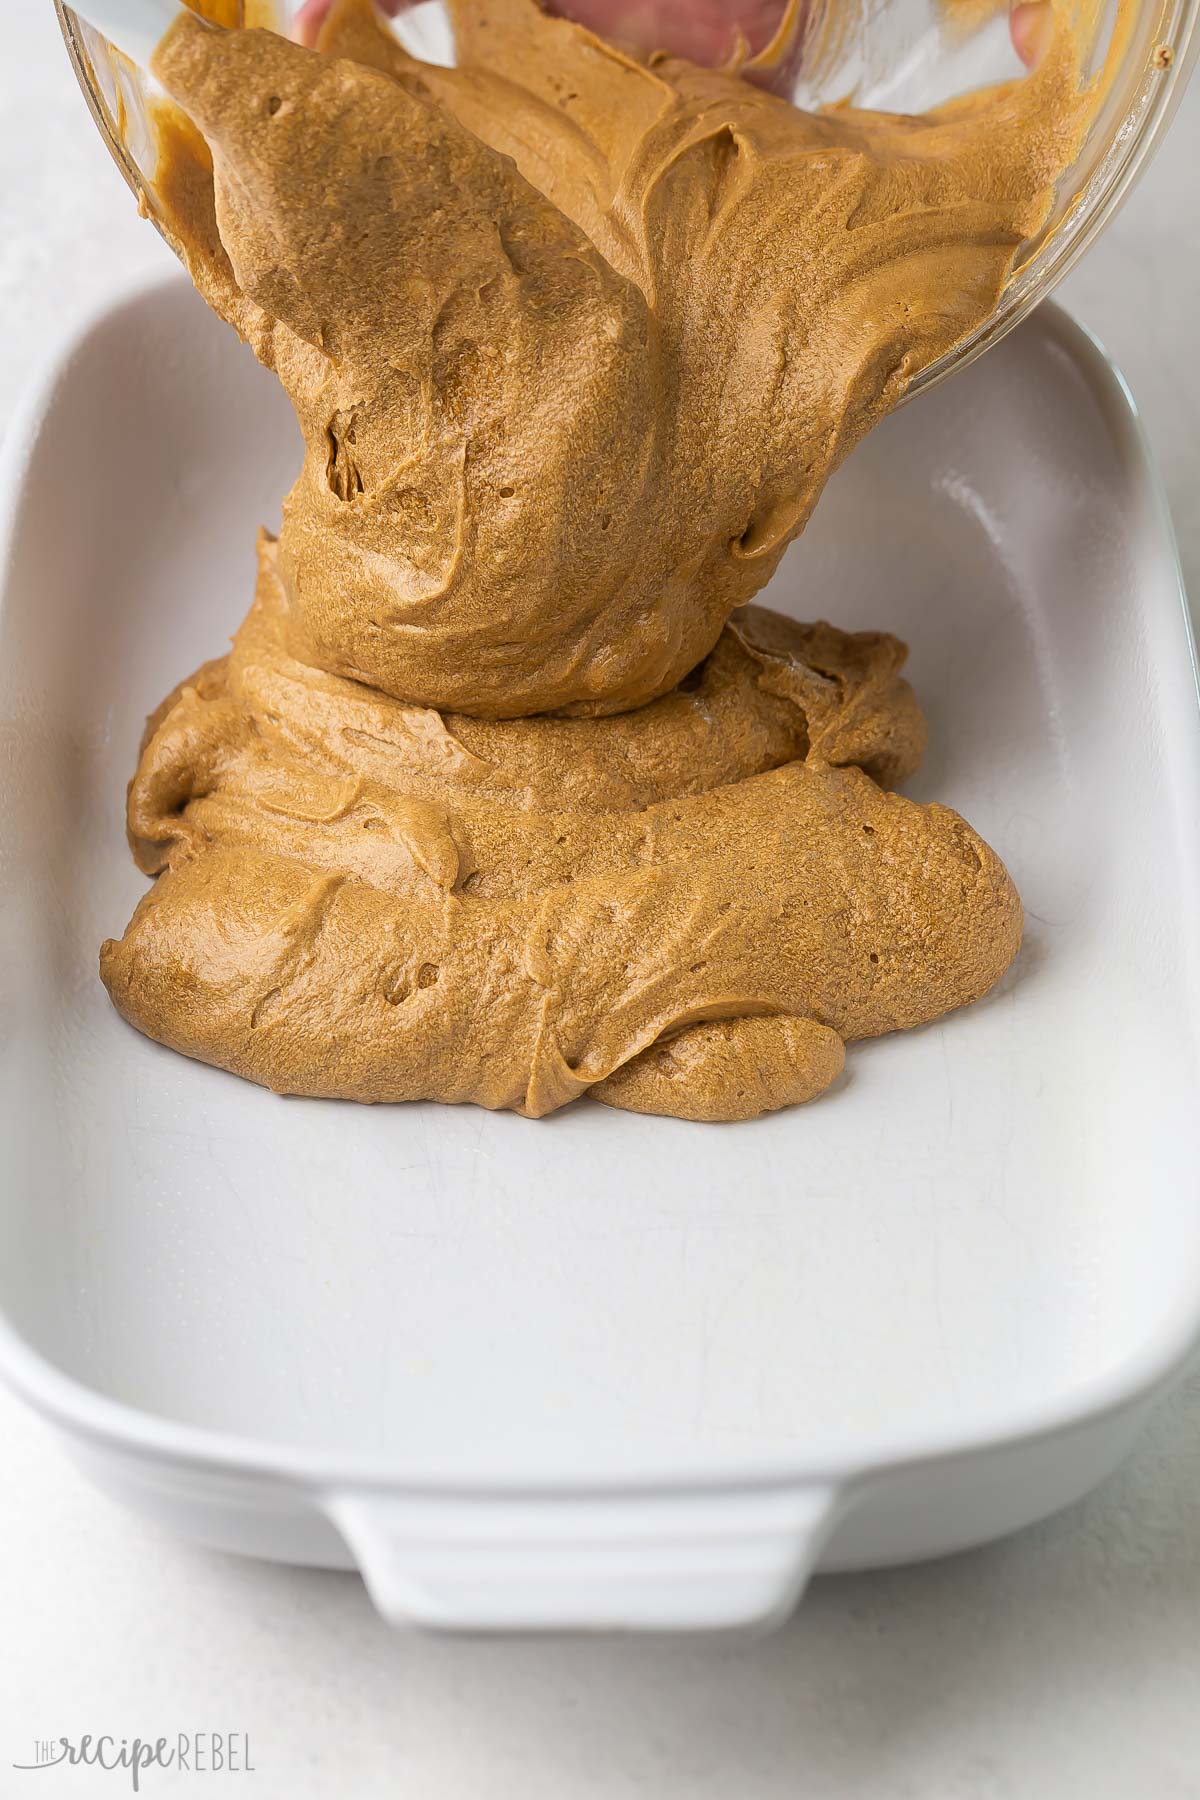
column 900, row 56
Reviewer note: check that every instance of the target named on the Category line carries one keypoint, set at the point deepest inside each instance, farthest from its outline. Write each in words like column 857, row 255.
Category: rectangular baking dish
column 602, row 1370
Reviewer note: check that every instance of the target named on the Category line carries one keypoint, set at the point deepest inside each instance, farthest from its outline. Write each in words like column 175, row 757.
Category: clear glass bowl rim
column 1173, row 44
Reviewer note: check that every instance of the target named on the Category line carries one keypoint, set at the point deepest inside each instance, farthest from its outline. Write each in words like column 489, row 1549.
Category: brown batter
column 364, row 898
column 562, row 414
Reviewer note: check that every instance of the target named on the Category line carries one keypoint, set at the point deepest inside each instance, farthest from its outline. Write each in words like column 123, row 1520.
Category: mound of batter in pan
column 686, row 909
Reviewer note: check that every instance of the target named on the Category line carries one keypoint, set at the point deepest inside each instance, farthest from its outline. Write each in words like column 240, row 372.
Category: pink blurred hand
column 705, row 31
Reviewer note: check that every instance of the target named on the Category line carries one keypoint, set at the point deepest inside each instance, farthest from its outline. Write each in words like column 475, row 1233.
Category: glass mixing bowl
column 901, row 55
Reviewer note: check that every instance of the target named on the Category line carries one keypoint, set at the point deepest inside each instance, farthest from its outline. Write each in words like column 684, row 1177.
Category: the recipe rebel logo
column 192, row 1753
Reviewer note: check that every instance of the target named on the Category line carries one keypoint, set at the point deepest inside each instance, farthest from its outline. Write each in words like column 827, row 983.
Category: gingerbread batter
column 504, row 794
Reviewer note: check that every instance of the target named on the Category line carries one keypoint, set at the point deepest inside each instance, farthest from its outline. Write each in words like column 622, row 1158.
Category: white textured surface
column 1064, row 1662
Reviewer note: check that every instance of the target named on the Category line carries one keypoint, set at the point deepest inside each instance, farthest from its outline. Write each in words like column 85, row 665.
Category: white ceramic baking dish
column 605, row 1370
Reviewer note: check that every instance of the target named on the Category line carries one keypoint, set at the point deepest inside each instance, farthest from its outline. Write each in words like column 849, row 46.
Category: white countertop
column 1063, row 1662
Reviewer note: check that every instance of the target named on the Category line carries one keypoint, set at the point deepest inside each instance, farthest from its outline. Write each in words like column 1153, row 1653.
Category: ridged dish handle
column 671, row 1561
